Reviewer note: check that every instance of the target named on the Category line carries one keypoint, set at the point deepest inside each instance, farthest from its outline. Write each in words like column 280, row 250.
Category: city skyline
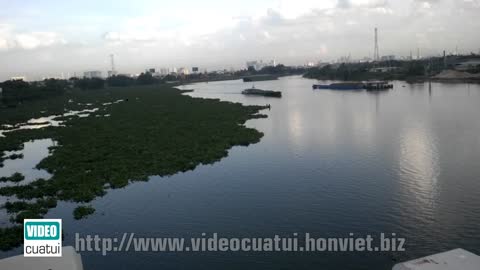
column 36, row 41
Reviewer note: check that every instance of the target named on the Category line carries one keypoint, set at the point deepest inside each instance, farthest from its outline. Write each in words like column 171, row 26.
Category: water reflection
column 52, row 120
column 46, row 121
column 295, row 126
column 419, row 166
column 33, row 152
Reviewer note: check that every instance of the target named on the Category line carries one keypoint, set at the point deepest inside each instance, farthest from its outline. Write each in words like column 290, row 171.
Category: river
column 404, row 161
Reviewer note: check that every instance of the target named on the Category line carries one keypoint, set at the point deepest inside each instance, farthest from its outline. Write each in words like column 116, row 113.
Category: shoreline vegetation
column 412, row 71
column 83, row 211
column 156, row 130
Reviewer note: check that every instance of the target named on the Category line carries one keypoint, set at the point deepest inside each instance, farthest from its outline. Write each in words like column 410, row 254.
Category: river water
column 404, row 161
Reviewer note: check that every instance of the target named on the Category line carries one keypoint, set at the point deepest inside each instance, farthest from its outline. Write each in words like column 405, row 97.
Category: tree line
column 15, row 91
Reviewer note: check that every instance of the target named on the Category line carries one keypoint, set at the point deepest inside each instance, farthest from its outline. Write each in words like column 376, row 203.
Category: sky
column 47, row 38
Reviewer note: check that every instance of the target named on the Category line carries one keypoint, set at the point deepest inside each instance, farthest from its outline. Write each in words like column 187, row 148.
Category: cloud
column 132, row 36
column 35, row 40
column 291, row 31
column 303, row 28
column 9, row 39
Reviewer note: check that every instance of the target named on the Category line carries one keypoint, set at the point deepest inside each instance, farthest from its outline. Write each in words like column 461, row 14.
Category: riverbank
column 135, row 132
column 410, row 71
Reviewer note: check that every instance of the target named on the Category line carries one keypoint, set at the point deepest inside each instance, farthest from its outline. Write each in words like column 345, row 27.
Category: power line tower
column 376, row 55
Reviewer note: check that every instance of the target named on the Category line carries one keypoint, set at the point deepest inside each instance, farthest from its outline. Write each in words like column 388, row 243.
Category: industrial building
column 258, row 65
column 92, row 74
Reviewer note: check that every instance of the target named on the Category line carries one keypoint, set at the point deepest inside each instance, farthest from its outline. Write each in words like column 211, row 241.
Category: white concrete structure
column 457, row 259
column 70, row 260
column 183, row 71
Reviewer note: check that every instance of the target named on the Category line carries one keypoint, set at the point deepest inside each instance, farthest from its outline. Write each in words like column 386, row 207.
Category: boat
column 340, row 86
column 369, row 86
column 260, row 92
column 377, row 86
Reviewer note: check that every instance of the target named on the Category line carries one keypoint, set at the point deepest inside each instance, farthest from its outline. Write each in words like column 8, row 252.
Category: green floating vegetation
column 11, row 237
column 11, row 157
column 19, row 206
column 155, row 131
column 83, row 211
column 15, row 178
column 14, row 156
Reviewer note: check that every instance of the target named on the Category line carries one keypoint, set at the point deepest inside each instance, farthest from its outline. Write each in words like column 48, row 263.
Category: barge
column 340, row 86
column 369, row 86
column 260, row 92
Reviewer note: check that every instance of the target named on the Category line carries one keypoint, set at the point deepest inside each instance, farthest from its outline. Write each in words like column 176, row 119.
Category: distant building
column 344, row 59
column 183, row 71
column 18, row 78
column 315, row 64
column 195, row 70
column 365, row 60
column 112, row 73
column 92, row 74
column 383, row 69
column 172, row 71
column 388, row 58
column 258, row 65
column 150, row 70
column 163, row 71
column 252, row 64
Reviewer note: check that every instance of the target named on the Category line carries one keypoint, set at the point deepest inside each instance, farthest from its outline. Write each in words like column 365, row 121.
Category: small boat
column 378, row 86
column 260, row 92
column 340, row 86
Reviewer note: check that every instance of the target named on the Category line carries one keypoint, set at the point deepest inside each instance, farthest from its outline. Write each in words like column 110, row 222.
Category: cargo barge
column 369, row 86
column 260, row 92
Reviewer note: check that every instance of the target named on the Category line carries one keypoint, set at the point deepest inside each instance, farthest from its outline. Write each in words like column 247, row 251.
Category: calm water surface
column 404, row 161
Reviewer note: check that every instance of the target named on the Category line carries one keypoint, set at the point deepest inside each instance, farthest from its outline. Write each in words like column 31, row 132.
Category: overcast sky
column 48, row 37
